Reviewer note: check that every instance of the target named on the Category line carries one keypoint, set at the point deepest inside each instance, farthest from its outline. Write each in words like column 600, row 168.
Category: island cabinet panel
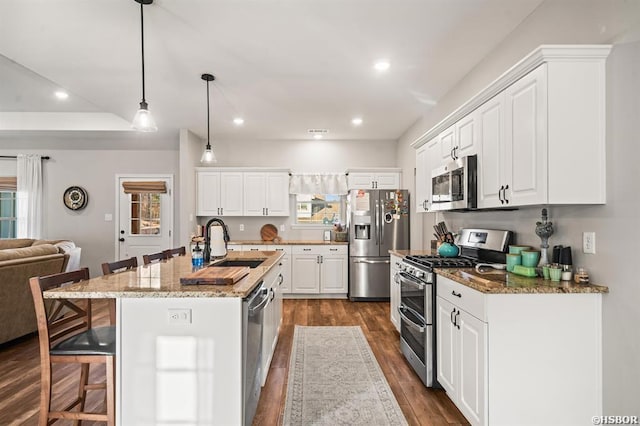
column 394, row 290
column 179, row 361
column 272, row 318
column 499, row 355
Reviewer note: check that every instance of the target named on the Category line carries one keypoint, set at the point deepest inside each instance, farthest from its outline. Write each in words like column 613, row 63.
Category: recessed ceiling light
column 62, row 95
column 356, row 121
column 382, row 65
column 238, row 121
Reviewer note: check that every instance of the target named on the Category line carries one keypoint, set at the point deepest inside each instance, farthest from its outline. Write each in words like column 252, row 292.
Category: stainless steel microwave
column 454, row 185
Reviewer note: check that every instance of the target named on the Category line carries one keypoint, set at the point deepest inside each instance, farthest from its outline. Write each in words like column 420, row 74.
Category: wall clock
column 75, row 198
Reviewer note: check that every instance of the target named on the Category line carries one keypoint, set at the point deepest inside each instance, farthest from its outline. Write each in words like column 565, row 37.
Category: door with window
column 145, row 219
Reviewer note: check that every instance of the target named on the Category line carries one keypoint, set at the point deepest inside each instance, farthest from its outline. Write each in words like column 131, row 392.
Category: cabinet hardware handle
column 121, row 239
column 506, row 200
column 453, row 317
column 267, row 211
column 321, row 259
column 456, row 320
column 280, row 278
column 333, row 249
column 306, row 249
column 453, row 292
column 500, row 194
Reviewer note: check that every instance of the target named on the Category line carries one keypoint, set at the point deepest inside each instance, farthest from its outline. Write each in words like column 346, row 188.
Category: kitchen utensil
column 216, row 275
column 555, row 257
column 518, row 249
column 501, row 266
column 513, row 260
column 526, row 271
column 555, row 272
column 268, row 232
column 530, row 257
column 448, row 250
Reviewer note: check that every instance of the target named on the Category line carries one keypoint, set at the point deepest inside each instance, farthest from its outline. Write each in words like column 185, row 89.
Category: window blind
column 8, row 183
column 137, row 187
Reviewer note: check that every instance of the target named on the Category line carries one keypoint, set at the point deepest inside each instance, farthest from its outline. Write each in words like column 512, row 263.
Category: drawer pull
column 306, row 249
column 453, row 292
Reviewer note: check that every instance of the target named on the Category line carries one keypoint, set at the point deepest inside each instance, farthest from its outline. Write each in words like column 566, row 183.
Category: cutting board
column 268, row 232
column 216, row 275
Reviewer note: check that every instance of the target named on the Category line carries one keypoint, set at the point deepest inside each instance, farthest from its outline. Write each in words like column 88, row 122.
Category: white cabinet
column 319, row 269
column 498, row 352
column 461, row 354
column 285, row 261
column 272, row 318
column 394, row 290
column 538, row 130
column 266, row 194
column 241, row 192
column 427, row 158
column 459, row 140
column 373, row 179
column 513, row 165
column 219, row 193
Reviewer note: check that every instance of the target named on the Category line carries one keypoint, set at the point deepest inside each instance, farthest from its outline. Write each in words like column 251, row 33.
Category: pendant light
column 208, row 156
column 143, row 120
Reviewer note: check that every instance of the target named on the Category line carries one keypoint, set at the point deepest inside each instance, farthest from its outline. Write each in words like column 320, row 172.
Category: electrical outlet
column 242, row 226
column 282, row 228
column 179, row 316
column 589, row 242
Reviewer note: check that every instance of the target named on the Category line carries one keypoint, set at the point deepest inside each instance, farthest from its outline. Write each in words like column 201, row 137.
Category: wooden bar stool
column 66, row 336
column 117, row 266
column 154, row 257
column 178, row 251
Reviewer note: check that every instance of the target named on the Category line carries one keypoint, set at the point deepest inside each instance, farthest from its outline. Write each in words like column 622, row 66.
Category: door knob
column 121, row 240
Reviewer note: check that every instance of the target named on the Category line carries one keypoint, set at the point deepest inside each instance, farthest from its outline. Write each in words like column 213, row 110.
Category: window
column 145, row 214
column 318, row 209
column 7, row 214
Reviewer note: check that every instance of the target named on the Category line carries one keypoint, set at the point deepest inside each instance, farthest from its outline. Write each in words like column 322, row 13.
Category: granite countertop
column 162, row 280
column 502, row 282
column 289, row 242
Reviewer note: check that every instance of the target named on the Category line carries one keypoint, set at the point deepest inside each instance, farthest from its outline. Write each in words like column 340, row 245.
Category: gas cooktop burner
column 441, row 262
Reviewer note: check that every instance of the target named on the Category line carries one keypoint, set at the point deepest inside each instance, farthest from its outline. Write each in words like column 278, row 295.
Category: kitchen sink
column 251, row 263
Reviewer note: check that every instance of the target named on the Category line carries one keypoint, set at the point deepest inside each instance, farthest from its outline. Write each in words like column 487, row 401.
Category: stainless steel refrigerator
column 378, row 221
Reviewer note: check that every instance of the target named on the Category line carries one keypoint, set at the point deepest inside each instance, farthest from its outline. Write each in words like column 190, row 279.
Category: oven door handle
column 371, row 261
column 408, row 279
column 417, row 327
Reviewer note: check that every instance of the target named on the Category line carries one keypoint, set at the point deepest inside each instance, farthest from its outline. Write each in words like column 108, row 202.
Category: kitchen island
column 180, row 347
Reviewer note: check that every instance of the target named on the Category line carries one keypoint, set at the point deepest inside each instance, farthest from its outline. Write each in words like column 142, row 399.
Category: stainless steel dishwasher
column 252, row 319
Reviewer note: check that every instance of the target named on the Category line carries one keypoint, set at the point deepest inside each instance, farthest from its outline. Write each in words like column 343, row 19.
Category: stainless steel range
column 417, row 293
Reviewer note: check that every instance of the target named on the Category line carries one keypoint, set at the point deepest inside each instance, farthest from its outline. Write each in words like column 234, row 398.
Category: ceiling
column 285, row 66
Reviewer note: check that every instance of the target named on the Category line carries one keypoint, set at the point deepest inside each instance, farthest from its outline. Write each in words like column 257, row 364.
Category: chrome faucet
column 207, row 237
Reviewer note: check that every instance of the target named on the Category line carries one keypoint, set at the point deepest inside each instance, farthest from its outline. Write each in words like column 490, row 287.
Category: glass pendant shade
column 208, row 156
column 143, row 120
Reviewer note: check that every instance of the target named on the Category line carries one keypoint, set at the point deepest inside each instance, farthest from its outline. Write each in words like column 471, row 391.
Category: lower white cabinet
column 319, row 269
column 501, row 357
column 394, row 290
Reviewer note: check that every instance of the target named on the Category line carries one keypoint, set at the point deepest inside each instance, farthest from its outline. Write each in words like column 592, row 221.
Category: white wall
column 300, row 156
column 95, row 171
column 614, row 223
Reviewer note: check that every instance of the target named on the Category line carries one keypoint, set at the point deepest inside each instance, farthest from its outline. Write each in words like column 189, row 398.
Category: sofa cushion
column 12, row 243
column 19, row 253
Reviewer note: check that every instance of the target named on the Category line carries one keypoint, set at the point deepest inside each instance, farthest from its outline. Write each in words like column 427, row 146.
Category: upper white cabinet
column 241, row 192
column 219, row 193
column 538, row 130
column 374, row 179
column 266, row 194
column 513, row 167
column 427, row 158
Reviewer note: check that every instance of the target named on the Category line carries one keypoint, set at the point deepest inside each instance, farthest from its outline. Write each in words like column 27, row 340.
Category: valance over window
column 155, row 187
column 318, row 183
column 8, row 183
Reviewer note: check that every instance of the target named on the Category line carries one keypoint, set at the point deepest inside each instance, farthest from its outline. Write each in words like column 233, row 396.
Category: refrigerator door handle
column 382, row 223
column 377, row 223
column 371, row 261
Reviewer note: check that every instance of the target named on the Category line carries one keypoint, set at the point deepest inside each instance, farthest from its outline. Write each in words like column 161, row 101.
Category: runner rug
column 334, row 379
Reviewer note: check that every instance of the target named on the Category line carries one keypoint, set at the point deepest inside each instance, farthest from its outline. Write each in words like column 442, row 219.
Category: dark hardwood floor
column 20, row 370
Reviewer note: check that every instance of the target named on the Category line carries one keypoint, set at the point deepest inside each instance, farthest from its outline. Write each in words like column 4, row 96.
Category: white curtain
column 29, row 196
column 318, row 183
